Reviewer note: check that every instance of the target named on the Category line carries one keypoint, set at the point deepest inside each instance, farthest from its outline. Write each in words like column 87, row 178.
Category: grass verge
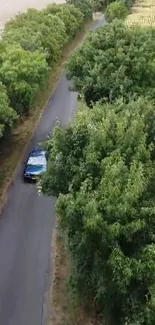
column 64, row 306
column 14, row 149
column 143, row 14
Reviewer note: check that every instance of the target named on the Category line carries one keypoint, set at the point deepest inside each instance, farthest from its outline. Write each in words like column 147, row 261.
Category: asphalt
column 26, row 227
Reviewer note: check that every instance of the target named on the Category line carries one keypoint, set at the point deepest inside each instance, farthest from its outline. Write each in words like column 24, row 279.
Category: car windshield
column 37, row 161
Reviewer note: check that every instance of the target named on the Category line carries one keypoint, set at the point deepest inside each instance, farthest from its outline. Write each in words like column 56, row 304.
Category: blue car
column 36, row 164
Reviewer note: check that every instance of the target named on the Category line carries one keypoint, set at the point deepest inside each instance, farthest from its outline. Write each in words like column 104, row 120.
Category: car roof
column 37, row 157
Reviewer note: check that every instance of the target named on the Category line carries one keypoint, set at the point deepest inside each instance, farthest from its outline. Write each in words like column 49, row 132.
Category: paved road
column 26, row 229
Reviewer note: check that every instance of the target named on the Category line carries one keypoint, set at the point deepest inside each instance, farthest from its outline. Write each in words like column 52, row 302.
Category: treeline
column 31, row 45
column 102, row 169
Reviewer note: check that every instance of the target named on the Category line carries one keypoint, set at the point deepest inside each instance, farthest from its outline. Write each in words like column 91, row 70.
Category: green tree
column 100, row 5
column 102, row 169
column 128, row 3
column 36, row 30
column 70, row 15
column 114, row 61
column 8, row 116
column 116, row 10
column 31, row 43
column 23, row 73
column 86, row 7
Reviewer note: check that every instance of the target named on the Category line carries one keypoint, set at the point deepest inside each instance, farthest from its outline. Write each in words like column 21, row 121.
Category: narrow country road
column 26, row 227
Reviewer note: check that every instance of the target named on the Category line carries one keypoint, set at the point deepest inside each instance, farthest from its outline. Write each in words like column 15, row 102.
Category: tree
column 31, row 44
column 36, row 30
column 102, row 169
column 115, row 61
column 128, row 3
column 100, row 5
column 116, row 10
column 23, row 73
column 8, row 116
column 86, row 7
column 70, row 15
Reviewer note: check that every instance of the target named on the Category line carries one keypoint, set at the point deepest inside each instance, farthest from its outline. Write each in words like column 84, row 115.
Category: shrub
column 36, row 30
column 23, row 73
column 114, row 61
column 100, row 5
column 102, row 169
column 116, row 10
column 86, row 7
column 70, row 15
column 8, row 116
column 32, row 43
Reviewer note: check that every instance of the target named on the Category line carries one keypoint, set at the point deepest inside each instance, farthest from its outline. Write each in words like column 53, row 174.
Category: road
column 26, row 229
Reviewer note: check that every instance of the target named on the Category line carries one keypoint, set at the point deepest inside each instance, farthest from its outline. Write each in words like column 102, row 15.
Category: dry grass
column 143, row 13
column 65, row 310
column 13, row 150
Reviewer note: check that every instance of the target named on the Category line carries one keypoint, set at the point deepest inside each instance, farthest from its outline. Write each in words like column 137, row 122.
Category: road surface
column 10, row 8
column 26, row 228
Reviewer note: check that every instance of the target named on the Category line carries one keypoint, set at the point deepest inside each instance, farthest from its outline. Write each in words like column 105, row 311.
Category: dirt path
column 9, row 8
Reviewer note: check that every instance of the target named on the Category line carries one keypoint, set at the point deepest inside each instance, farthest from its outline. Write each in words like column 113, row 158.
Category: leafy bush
column 100, row 5
column 31, row 44
column 36, row 30
column 128, row 3
column 102, row 168
column 70, row 15
column 115, row 61
column 116, row 10
column 86, row 7
column 23, row 73
column 8, row 116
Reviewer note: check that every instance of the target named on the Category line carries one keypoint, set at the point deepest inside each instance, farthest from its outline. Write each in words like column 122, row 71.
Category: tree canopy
column 23, row 73
column 31, row 45
column 116, row 10
column 36, row 30
column 8, row 116
column 115, row 61
column 86, row 7
column 102, row 169
column 70, row 15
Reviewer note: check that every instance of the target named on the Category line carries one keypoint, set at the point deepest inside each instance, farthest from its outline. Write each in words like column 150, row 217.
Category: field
column 143, row 13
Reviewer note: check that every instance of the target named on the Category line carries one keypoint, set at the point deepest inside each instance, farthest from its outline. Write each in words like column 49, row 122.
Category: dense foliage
column 23, row 73
column 7, row 115
column 70, row 15
column 37, row 31
column 102, row 168
column 116, row 10
column 100, row 5
column 115, row 61
column 86, row 7
column 31, row 44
